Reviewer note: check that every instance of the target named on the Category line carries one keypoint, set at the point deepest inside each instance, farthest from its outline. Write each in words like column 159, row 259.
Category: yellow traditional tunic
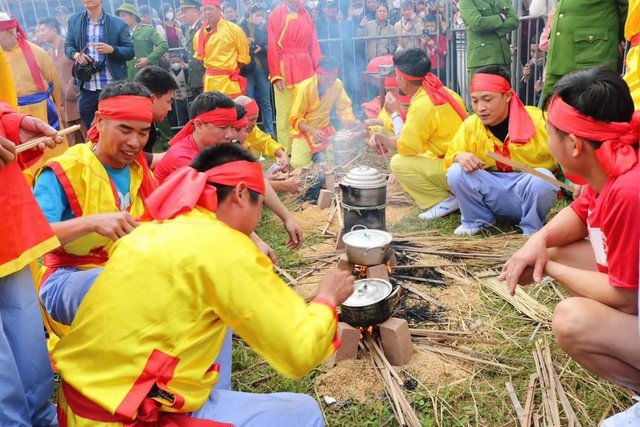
column 423, row 142
column 168, row 308
column 309, row 107
column 226, row 49
column 632, row 33
column 260, row 142
column 474, row 137
column 26, row 86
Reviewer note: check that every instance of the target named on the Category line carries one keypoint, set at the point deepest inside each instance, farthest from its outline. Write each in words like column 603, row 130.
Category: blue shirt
column 54, row 202
column 95, row 34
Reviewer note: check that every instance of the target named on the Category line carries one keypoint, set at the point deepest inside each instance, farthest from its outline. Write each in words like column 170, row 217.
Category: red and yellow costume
column 632, row 33
column 37, row 85
column 145, row 364
column 293, row 56
column 309, row 107
column 433, row 117
column 223, row 50
column 260, row 142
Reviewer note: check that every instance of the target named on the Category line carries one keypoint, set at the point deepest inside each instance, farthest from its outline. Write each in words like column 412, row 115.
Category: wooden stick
column 289, row 277
column 423, row 296
column 527, row 169
column 32, row 144
column 528, row 403
column 514, row 400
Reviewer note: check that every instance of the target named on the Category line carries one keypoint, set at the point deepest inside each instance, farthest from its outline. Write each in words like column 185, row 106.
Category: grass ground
column 477, row 399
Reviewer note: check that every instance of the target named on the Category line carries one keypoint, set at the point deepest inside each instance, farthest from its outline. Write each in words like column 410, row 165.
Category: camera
column 84, row 72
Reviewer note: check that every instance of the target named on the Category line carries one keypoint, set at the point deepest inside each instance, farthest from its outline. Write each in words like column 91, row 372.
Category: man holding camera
column 100, row 44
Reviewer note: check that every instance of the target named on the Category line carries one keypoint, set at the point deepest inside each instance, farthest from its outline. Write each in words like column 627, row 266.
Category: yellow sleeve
column 7, row 88
column 344, row 109
column 292, row 336
column 262, row 142
column 243, row 46
column 196, row 36
column 457, row 145
column 299, row 106
column 417, row 130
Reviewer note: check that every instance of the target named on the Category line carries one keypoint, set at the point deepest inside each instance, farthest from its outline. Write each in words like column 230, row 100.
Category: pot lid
column 367, row 292
column 364, row 177
column 366, row 238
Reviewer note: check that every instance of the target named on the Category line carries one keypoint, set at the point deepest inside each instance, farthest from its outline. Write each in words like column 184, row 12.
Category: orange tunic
column 294, row 51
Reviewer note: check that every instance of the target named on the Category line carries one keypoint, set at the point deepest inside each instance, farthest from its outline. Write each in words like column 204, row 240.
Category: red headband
column 616, row 154
column 326, row 73
column 222, row 117
column 252, row 108
column 187, row 188
column 241, row 123
column 9, row 25
column 521, row 127
column 123, row 107
column 211, row 3
column 438, row 94
column 26, row 50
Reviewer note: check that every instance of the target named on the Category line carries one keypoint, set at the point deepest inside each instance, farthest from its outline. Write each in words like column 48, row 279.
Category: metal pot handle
column 359, row 225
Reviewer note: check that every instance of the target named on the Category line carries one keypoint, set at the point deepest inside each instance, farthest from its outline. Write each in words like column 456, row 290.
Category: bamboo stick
column 34, row 143
column 334, row 208
column 449, row 352
column 528, row 169
column 514, row 400
column 289, row 277
column 528, row 403
column 423, row 296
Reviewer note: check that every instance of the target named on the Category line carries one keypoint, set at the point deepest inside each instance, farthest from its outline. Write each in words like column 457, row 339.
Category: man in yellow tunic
column 433, row 117
column 259, row 142
column 170, row 303
column 486, row 188
column 632, row 33
column 224, row 48
column 313, row 101
column 91, row 194
column 36, row 80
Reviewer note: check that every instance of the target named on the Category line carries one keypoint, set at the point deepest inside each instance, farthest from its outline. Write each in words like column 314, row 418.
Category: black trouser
column 88, row 105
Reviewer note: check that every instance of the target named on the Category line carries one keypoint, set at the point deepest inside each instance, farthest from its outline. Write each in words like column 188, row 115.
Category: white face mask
column 538, row 62
column 422, row 14
column 358, row 12
column 169, row 16
column 396, row 4
column 312, row 4
column 176, row 66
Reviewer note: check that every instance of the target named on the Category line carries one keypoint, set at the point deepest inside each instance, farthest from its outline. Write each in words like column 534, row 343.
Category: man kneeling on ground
column 153, row 360
column 593, row 134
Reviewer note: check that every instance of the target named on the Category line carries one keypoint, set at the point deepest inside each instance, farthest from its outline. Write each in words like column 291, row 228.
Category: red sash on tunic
column 234, row 75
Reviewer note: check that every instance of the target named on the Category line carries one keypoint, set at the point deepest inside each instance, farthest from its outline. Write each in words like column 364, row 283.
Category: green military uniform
column 487, row 32
column 585, row 33
column 147, row 43
column 196, row 68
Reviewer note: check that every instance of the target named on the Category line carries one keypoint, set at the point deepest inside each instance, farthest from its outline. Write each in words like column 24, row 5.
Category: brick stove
column 394, row 332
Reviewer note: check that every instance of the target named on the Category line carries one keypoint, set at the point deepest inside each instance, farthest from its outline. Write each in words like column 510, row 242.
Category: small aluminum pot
column 367, row 247
column 370, row 311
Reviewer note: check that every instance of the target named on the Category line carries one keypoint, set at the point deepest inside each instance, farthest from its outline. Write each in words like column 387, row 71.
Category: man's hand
column 518, row 269
column 113, row 225
column 103, row 48
column 7, row 152
column 82, row 58
column 391, row 103
column 378, row 141
column 282, row 160
column 296, row 236
column 317, row 135
column 290, row 185
column 336, row 286
column 279, row 84
column 32, row 127
column 538, row 86
column 526, row 71
column 469, row 162
column 142, row 62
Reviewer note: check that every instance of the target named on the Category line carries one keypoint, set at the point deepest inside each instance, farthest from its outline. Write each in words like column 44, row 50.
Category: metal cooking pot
column 369, row 217
column 364, row 187
column 371, row 303
column 367, row 247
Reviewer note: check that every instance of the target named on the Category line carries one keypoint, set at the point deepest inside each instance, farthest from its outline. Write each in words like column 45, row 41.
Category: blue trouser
column 259, row 88
column 483, row 195
column 261, row 410
column 26, row 378
column 88, row 105
column 64, row 290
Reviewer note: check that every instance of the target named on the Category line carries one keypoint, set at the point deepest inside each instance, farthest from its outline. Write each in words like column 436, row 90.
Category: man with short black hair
column 49, row 31
column 202, row 217
column 91, row 194
column 433, row 117
column 97, row 36
column 162, row 85
column 486, row 188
